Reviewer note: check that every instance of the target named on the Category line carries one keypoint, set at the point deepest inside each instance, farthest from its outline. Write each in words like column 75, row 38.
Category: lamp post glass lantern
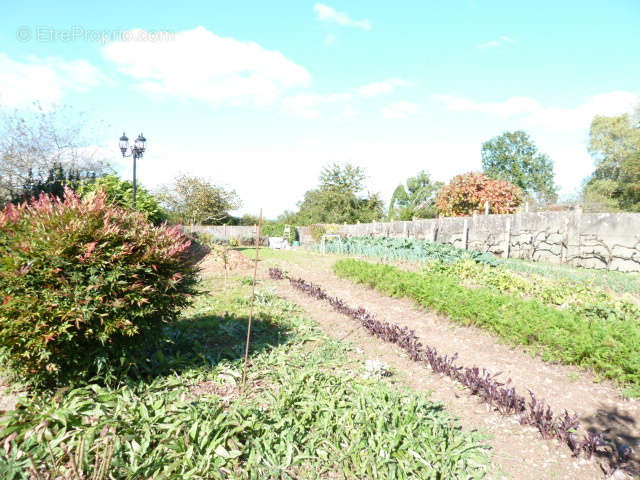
column 136, row 151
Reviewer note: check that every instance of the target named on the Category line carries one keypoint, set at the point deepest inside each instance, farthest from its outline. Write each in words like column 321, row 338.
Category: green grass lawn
column 298, row 256
column 307, row 411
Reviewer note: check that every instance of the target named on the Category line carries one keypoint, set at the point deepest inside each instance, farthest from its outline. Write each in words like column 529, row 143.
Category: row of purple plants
column 500, row 396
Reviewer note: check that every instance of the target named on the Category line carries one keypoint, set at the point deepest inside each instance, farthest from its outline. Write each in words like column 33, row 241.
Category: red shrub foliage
column 79, row 278
column 467, row 193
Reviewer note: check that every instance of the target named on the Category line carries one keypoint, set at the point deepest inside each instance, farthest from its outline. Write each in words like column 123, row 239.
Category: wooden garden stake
column 253, row 296
column 225, row 259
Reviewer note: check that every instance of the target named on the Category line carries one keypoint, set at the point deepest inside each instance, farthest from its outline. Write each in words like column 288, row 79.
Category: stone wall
column 592, row 240
column 226, row 232
column 245, row 235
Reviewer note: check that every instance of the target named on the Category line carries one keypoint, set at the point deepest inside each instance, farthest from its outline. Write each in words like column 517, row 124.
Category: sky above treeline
column 259, row 96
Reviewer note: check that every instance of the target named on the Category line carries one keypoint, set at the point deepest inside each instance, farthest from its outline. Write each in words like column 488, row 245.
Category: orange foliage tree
column 468, row 192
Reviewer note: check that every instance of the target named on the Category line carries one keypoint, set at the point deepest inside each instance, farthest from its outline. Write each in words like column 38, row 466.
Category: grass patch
column 298, row 256
column 307, row 412
column 608, row 347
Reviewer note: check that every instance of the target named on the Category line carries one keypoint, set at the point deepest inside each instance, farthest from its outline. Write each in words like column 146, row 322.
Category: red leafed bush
column 82, row 279
column 467, row 193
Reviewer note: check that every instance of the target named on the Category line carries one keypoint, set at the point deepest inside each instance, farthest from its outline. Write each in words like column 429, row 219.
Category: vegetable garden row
column 569, row 317
column 482, row 383
column 473, row 269
column 405, row 249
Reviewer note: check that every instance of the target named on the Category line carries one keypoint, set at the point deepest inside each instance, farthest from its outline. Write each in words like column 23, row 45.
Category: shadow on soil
column 206, row 340
column 618, row 426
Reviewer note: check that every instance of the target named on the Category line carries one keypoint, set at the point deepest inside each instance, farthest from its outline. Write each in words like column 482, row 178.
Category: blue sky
column 259, row 96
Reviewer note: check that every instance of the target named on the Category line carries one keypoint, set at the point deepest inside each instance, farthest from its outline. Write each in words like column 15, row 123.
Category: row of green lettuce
column 306, row 413
column 609, row 347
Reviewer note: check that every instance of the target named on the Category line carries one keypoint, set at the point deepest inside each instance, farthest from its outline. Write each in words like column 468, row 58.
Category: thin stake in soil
column 253, row 296
column 225, row 260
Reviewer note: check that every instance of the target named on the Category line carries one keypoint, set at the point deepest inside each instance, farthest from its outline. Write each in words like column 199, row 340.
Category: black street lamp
column 137, row 150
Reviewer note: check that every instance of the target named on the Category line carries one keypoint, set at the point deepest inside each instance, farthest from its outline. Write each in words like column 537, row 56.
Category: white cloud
column 198, row 64
column 347, row 113
column 497, row 43
column 400, row 109
column 531, row 112
column 338, row 97
column 306, row 105
column 511, row 106
column 492, row 43
column 303, row 106
column 44, row 80
column 379, row 88
column 330, row 39
column 327, row 14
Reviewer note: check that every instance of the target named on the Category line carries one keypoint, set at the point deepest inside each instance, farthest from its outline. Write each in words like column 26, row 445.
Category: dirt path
column 518, row 451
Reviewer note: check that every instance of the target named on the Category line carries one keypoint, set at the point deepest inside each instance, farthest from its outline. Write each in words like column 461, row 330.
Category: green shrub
column 79, row 279
column 120, row 192
column 251, row 241
column 207, row 239
column 277, row 230
column 609, row 347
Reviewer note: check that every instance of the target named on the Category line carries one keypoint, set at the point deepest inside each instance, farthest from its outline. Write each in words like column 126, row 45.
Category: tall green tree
column 614, row 143
column 195, row 200
column 416, row 200
column 514, row 157
column 338, row 198
column 342, row 178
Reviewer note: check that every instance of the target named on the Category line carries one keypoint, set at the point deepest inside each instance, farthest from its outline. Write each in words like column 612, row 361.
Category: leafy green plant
column 77, row 465
column 610, row 279
column 277, row 230
column 582, row 298
column 407, row 249
column 79, row 280
column 608, row 348
column 317, row 231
